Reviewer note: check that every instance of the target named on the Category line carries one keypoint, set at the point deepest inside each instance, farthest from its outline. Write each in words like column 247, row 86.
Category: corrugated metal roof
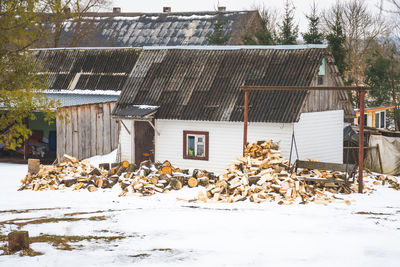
column 67, row 100
column 149, row 29
column 203, row 84
column 86, row 69
column 138, row 111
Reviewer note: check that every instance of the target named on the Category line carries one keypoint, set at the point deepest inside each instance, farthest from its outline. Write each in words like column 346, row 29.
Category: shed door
column 144, row 141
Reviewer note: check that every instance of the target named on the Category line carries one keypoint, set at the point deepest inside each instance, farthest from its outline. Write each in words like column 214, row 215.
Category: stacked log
column 147, row 179
column 263, row 175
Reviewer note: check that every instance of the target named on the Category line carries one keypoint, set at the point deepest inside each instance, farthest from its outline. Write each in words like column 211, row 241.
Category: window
column 366, row 120
column 377, row 117
column 195, row 145
column 320, row 79
column 383, row 119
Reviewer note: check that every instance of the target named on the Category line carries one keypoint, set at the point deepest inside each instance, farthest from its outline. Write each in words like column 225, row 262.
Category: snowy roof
column 155, row 29
column 70, row 99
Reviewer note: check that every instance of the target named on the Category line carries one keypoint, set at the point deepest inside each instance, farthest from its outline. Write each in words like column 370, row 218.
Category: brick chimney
column 167, row 9
column 116, row 10
column 221, row 8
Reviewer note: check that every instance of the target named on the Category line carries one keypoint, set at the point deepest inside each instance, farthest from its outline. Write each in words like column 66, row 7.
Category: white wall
column 225, row 141
column 319, row 136
column 125, row 140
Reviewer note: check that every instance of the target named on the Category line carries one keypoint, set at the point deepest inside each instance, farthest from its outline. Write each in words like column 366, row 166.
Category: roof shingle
column 203, row 84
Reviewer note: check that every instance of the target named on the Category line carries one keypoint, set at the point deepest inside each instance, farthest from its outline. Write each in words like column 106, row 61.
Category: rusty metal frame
column 360, row 89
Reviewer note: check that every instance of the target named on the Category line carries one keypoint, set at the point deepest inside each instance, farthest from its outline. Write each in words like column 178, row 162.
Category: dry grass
column 59, row 242
column 41, row 220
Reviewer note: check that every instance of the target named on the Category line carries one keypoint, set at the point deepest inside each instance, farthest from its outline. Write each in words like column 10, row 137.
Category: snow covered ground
column 161, row 231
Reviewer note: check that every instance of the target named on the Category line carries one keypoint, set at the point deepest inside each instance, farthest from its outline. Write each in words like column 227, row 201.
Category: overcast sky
column 302, row 6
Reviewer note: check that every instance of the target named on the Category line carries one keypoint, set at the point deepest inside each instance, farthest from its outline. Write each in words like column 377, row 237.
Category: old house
column 376, row 117
column 128, row 29
column 183, row 104
column 86, row 82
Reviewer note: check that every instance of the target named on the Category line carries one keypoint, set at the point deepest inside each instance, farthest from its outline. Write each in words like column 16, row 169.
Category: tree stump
column 33, row 166
column 18, row 240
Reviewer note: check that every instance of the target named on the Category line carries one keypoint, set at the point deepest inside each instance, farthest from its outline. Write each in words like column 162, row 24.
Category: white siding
column 319, row 136
column 225, row 141
column 125, row 140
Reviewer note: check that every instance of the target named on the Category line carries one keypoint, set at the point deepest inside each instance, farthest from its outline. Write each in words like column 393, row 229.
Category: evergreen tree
column 288, row 30
column 337, row 39
column 219, row 36
column 265, row 34
column 383, row 75
column 313, row 36
column 20, row 84
column 262, row 36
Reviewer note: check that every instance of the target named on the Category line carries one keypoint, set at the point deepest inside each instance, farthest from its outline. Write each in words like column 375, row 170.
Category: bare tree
column 360, row 28
column 64, row 12
column 266, row 32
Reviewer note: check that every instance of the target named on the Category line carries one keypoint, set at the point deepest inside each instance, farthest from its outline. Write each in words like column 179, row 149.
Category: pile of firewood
column 151, row 178
column 144, row 180
column 263, row 175
column 70, row 173
column 391, row 181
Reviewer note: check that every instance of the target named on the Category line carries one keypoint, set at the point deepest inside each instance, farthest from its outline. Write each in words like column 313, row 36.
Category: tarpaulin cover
column 390, row 153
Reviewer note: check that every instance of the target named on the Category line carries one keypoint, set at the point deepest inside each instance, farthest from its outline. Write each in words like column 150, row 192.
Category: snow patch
column 108, row 158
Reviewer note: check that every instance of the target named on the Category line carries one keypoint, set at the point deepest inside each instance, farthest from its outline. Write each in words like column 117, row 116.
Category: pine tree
column 262, row 36
column 383, row 75
column 219, row 36
column 288, row 30
column 266, row 33
column 313, row 36
column 20, row 84
column 337, row 39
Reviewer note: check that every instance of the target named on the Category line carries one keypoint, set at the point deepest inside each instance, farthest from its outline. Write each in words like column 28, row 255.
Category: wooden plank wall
column 324, row 100
column 88, row 131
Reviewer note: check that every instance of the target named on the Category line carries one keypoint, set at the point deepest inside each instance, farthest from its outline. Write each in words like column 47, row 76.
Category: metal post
column 246, row 111
column 361, row 143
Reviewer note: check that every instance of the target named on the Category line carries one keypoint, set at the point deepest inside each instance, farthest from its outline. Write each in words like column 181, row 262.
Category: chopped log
column 92, row 188
column 132, row 167
column 68, row 158
column 125, row 164
column 99, row 182
column 104, row 166
column 192, row 182
column 254, row 179
column 175, row 184
column 166, row 170
column 181, row 179
column 204, row 181
column 69, row 182
column 96, row 172
column 18, row 240
column 120, row 170
column 154, row 180
column 33, row 166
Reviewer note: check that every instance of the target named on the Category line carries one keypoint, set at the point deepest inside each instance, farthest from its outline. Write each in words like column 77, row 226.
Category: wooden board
column 323, row 166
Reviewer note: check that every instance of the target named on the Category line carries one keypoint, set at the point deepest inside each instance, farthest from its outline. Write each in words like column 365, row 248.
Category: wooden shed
column 87, row 83
column 87, row 131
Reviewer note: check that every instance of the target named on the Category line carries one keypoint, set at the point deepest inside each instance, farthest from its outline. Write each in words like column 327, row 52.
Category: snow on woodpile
column 263, row 175
column 143, row 180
